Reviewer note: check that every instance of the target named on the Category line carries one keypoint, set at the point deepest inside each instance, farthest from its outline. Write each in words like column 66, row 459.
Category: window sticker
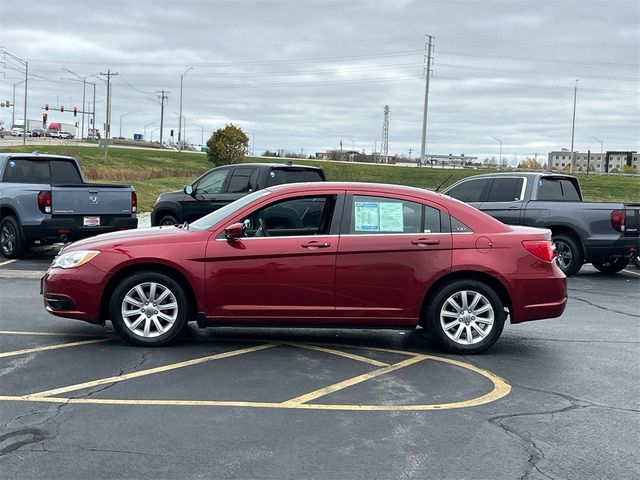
column 12, row 164
column 391, row 217
column 378, row 217
column 367, row 217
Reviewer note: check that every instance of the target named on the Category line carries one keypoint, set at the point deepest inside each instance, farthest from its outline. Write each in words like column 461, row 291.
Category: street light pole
column 145, row 130
column 500, row 142
column 123, row 115
column 180, row 118
column 573, row 124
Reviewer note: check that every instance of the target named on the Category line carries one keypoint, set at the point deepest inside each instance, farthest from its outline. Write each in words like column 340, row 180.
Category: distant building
column 597, row 162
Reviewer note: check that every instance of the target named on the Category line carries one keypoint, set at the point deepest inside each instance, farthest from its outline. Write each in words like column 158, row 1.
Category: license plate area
column 91, row 221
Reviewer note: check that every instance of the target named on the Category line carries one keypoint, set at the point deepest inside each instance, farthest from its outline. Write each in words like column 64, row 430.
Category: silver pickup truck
column 605, row 234
column 45, row 199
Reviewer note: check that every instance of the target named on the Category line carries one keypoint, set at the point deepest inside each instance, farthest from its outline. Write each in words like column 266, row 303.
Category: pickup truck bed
column 603, row 233
column 44, row 198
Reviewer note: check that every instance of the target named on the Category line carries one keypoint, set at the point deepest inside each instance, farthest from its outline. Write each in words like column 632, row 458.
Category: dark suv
column 223, row 185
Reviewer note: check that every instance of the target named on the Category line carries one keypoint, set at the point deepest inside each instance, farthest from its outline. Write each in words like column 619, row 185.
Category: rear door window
column 505, row 190
column 240, row 181
column 388, row 215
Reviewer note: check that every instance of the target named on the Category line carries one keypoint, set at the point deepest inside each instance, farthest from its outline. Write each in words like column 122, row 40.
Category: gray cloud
column 309, row 74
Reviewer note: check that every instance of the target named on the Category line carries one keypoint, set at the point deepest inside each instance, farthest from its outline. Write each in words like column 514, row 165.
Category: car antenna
column 442, row 183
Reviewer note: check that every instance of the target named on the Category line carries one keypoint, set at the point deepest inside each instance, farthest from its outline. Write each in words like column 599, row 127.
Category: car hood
column 136, row 236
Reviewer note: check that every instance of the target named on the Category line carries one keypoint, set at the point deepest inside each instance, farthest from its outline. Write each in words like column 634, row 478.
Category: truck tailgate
column 632, row 219
column 90, row 199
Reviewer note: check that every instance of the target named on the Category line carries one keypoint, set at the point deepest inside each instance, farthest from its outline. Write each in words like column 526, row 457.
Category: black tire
column 145, row 315
column 168, row 220
column 12, row 242
column 487, row 315
column 569, row 254
column 612, row 265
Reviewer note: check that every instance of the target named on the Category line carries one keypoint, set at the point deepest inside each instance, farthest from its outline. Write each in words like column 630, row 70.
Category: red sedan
column 316, row 254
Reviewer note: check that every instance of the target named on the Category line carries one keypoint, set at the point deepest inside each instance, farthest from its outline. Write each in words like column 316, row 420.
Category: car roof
column 516, row 173
column 277, row 165
column 354, row 186
column 34, row 154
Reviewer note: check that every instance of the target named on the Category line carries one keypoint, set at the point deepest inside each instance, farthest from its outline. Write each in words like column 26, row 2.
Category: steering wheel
column 262, row 229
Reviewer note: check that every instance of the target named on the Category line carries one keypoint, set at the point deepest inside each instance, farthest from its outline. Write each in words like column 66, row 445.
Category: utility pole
column 107, row 123
column 161, row 99
column 410, row 150
column 423, row 150
column 500, row 142
column 573, row 125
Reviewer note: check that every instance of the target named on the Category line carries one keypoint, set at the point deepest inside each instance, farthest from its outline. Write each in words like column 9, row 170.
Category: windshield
column 208, row 221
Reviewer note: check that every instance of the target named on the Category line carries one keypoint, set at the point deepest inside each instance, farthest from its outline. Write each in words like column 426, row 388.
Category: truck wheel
column 465, row 316
column 12, row 243
column 569, row 254
column 612, row 265
column 148, row 309
column 168, row 220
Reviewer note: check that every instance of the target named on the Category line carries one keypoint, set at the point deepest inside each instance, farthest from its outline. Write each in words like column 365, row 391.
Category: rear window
column 24, row 170
column 557, row 189
column 278, row 176
column 64, row 171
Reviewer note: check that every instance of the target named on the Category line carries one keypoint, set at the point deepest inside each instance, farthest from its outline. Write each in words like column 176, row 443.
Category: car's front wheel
column 466, row 316
column 148, row 309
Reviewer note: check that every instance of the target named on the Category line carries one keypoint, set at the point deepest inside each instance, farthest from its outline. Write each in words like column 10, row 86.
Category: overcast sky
column 310, row 74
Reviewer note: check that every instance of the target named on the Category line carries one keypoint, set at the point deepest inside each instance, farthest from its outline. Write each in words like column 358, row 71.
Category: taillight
column 134, row 202
column 618, row 219
column 44, row 201
column 542, row 249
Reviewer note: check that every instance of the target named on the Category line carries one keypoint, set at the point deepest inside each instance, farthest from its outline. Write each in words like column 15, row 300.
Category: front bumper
column 74, row 292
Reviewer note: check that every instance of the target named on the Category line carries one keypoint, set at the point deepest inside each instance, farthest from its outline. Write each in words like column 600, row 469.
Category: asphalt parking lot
column 552, row 399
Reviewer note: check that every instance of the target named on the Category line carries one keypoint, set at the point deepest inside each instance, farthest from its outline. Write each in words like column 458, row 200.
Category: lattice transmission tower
column 385, row 136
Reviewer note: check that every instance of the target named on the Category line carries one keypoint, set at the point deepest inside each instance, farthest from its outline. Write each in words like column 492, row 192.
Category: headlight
column 74, row 259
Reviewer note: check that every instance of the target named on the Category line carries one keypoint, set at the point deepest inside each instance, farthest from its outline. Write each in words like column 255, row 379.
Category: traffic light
column 172, row 132
column 46, row 106
column 62, row 108
column 75, row 111
column 44, row 119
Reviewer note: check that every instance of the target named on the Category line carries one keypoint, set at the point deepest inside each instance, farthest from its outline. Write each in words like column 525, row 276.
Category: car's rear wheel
column 466, row 316
column 568, row 254
column 148, row 309
column 168, row 220
column 612, row 265
column 12, row 243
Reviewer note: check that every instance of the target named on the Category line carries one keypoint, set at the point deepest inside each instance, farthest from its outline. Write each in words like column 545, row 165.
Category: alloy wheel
column 149, row 309
column 467, row 317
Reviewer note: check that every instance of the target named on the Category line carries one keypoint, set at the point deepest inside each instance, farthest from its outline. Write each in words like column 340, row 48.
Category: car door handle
column 425, row 241
column 315, row 244
column 513, row 208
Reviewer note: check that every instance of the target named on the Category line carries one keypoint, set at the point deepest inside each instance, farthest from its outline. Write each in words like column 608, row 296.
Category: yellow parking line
column 47, row 334
column 149, row 371
column 7, row 262
column 352, row 381
column 340, row 353
column 44, row 348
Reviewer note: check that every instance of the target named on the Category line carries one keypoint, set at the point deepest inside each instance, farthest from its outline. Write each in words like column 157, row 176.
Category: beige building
column 608, row 162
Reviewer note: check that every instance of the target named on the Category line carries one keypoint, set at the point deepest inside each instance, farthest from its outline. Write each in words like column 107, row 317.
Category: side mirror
column 234, row 231
column 188, row 189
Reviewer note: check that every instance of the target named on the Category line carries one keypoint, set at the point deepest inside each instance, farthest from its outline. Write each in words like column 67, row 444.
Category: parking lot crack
column 610, row 310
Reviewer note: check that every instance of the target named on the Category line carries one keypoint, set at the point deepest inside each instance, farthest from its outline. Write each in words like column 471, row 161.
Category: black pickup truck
column 605, row 234
column 222, row 185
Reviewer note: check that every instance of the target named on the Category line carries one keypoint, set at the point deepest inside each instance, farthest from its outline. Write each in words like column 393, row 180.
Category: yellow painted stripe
column 352, row 381
column 48, row 334
column 339, row 353
column 149, row 371
column 44, row 348
column 7, row 262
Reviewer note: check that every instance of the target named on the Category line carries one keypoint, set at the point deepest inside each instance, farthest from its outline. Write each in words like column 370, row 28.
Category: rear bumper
column 620, row 247
column 538, row 298
column 72, row 227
